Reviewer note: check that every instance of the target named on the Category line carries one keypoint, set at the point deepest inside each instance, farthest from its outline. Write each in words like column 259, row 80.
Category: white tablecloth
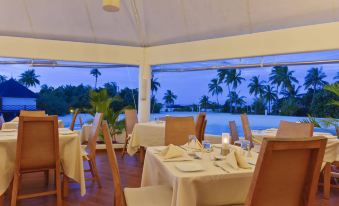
column 332, row 147
column 85, row 132
column 14, row 124
column 213, row 186
column 146, row 135
column 70, row 152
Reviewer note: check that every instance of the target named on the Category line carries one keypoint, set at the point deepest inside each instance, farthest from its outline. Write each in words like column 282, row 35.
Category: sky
column 188, row 86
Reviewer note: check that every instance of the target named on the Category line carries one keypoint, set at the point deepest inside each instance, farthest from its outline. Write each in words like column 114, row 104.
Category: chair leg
column 65, row 188
column 142, row 155
column 46, row 174
column 327, row 180
column 124, row 150
column 91, row 168
column 2, row 199
column 96, row 174
column 58, row 188
column 15, row 189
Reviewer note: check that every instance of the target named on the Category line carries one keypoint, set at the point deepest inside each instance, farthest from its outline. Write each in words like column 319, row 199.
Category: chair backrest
column 295, row 130
column 177, row 130
column 203, row 130
column 234, row 132
column 81, row 121
column 94, row 133
column 39, row 113
column 2, row 121
column 199, row 125
column 131, row 118
column 246, row 127
column 74, row 118
column 118, row 193
column 287, row 172
column 37, row 144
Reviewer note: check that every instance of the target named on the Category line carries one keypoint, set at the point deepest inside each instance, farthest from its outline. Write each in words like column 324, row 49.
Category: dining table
column 70, row 156
column 208, row 185
column 13, row 124
column 146, row 134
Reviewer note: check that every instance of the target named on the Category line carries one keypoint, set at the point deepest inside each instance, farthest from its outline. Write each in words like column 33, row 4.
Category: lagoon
column 217, row 123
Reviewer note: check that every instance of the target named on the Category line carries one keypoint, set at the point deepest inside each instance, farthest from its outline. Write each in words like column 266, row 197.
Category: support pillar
column 144, row 102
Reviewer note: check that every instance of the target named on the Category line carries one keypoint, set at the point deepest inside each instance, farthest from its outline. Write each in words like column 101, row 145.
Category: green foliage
column 3, row 78
column 322, row 104
column 58, row 101
column 259, row 106
column 289, row 106
column 95, row 73
column 334, row 88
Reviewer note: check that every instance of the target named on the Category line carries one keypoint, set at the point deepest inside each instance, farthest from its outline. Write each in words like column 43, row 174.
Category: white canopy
column 157, row 22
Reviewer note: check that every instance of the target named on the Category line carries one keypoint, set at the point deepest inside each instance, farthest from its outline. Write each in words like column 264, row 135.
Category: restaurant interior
column 168, row 160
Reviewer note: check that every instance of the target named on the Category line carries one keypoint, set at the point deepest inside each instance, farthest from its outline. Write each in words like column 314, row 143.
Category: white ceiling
column 157, row 22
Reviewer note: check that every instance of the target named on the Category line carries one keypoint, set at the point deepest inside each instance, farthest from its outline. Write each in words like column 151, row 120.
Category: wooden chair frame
column 19, row 171
column 233, row 132
column 199, row 126
column 263, row 179
column 131, row 118
column 74, row 118
column 177, row 130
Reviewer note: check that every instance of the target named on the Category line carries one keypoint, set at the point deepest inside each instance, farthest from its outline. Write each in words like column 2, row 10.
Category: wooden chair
column 143, row 196
column 203, row 130
column 177, row 130
column 74, row 118
column 234, row 132
column 37, row 150
column 199, row 126
column 89, row 153
column 295, row 130
column 2, row 121
column 287, row 172
column 246, row 128
column 131, row 118
column 81, row 121
column 38, row 113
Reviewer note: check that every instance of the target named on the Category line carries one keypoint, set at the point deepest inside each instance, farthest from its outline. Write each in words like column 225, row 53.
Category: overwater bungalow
column 124, row 157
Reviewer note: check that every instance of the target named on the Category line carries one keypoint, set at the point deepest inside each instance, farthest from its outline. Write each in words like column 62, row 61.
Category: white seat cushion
column 149, row 196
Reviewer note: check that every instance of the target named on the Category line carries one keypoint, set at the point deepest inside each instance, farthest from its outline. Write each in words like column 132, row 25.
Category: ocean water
column 217, row 123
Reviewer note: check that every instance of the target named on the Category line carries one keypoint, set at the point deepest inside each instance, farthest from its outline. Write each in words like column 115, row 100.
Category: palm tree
column 204, row 102
column 169, row 97
column 155, row 85
column 96, row 73
column 215, row 88
column 256, row 86
column 236, row 99
column 29, row 78
column 270, row 95
column 3, row 78
column 315, row 79
column 292, row 91
column 233, row 79
column 280, row 75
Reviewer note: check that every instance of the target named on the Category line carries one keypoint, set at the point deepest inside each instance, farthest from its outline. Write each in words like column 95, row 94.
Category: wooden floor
column 130, row 170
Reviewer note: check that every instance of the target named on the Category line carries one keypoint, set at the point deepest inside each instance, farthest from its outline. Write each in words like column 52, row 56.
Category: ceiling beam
column 285, row 41
column 18, row 47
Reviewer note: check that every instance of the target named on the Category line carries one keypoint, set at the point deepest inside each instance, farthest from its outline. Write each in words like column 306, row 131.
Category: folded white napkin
column 236, row 160
column 172, row 151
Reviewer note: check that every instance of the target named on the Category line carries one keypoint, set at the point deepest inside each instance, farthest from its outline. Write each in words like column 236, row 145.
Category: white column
column 144, row 103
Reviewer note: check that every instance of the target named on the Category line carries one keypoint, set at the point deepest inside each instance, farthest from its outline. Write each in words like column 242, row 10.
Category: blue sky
column 189, row 86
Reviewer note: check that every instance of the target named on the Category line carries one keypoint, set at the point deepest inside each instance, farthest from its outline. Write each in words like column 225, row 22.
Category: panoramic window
column 288, row 87
column 61, row 87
